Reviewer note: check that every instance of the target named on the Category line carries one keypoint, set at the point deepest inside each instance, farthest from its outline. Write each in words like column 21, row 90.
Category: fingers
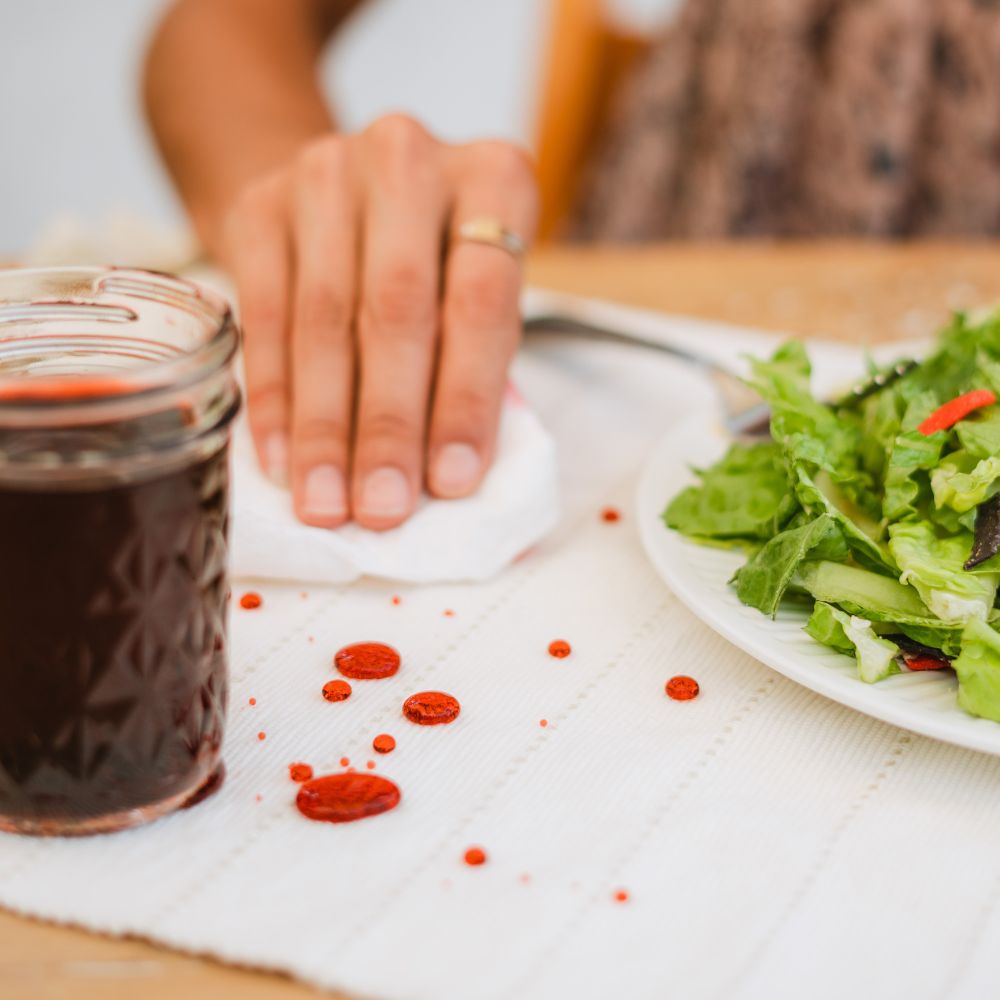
column 324, row 219
column 481, row 318
column 397, row 318
column 261, row 268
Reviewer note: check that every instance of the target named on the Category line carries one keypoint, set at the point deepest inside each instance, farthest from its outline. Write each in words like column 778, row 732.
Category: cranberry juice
column 113, row 607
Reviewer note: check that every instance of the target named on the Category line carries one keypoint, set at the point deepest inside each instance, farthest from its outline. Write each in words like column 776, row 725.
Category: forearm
column 231, row 93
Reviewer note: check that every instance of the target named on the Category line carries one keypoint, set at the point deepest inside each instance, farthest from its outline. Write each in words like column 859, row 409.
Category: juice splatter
column 431, row 708
column 343, row 798
column 475, row 856
column 560, row 649
column 366, row 661
column 682, row 688
column 251, row 600
column 336, row 690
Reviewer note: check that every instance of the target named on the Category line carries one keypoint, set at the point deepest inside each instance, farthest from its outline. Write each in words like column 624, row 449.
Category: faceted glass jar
column 116, row 397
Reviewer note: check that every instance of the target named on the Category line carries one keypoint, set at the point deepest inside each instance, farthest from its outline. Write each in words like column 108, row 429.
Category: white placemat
column 772, row 844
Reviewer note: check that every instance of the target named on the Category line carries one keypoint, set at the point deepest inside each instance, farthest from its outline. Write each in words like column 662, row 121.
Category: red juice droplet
column 543, row 722
column 344, row 761
column 304, row 595
column 397, row 600
column 367, row 661
column 370, row 765
column 343, row 798
column 475, row 856
column 300, row 772
column 611, row 515
column 253, row 701
column 262, row 735
column 449, row 613
column 525, row 879
column 682, row 688
column 336, row 690
column 621, row 896
column 259, row 798
column 431, row 708
column 384, row 743
column 251, row 600
column 560, row 649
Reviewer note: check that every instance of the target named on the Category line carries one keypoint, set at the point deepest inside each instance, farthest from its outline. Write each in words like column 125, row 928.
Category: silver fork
column 745, row 414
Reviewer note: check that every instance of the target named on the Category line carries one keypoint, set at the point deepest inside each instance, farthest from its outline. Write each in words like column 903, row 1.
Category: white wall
column 73, row 138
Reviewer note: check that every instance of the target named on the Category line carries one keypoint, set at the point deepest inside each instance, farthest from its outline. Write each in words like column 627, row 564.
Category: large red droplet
column 336, row 690
column 384, row 743
column 342, row 798
column 431, row 708
column 251, row 600
column 367, row 661
column 682, row 688
column 560, row 649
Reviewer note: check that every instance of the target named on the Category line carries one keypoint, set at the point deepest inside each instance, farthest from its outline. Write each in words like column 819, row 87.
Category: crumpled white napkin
column 445, row 540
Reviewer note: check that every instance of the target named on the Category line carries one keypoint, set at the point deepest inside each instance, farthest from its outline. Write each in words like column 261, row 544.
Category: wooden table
column 852, row 292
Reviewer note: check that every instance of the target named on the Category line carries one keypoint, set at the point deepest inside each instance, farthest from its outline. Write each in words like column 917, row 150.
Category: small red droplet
column 370, row 765
column 336, row 690
column 262, row 735
column 682, row 688
column 525, row 879
column 431, row 708
column 259, row 798
column 560, row 649
column 342, row 798
column 311, row 638
column 621, row 896
column 253, row 701
column 304, row 595
column 384, row 743
column 397, row 600
column 448, row 613
column 475, row 856
column 367, row 661
column 300, row 772
column 611, row 515
column 543, row 722
column 250, row 600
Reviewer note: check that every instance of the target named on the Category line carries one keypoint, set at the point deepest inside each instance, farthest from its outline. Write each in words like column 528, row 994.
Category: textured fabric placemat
column 770, row 843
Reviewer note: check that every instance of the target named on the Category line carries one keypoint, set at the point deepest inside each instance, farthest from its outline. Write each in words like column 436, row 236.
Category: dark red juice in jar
column 116, row 395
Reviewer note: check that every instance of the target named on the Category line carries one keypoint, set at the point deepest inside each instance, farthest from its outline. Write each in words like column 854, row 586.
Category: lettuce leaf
column 978, row 669
column 762, row 582
column 745, row 495
column 850, row 634
column 935, row 567
column 962, row 483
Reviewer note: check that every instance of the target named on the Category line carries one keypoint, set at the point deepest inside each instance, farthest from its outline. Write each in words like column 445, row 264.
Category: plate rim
column 970, row 732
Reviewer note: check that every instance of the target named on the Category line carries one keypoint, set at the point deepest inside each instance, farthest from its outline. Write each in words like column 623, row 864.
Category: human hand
column 376, row 344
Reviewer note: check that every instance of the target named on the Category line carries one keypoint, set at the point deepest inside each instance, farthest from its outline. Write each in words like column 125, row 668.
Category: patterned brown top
column 807, row 117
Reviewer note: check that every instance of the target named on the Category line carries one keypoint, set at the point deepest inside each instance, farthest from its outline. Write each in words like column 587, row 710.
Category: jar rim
column 86, row 392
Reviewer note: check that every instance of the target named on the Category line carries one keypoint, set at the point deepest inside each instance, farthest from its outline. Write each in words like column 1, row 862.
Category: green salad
column 881, row 513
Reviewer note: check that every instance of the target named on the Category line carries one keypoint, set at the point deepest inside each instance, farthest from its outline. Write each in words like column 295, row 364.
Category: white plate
column 923, row 702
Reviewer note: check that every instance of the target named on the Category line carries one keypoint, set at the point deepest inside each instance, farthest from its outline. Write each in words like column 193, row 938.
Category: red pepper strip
column 926, row 663
column 957, row 409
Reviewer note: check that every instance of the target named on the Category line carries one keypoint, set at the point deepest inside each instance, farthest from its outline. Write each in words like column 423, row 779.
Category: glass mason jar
column 116, row 397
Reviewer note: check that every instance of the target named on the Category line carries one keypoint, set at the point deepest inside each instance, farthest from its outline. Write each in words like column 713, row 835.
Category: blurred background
column 77, row 156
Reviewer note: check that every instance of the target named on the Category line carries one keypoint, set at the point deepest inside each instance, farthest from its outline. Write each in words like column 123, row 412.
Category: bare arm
column 376, row 343
column 231, row 93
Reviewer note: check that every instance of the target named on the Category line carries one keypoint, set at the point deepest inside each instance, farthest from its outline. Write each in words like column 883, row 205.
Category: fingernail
column 324, row 494
column 456, row 469
column 276, row 458
column 386, row 493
